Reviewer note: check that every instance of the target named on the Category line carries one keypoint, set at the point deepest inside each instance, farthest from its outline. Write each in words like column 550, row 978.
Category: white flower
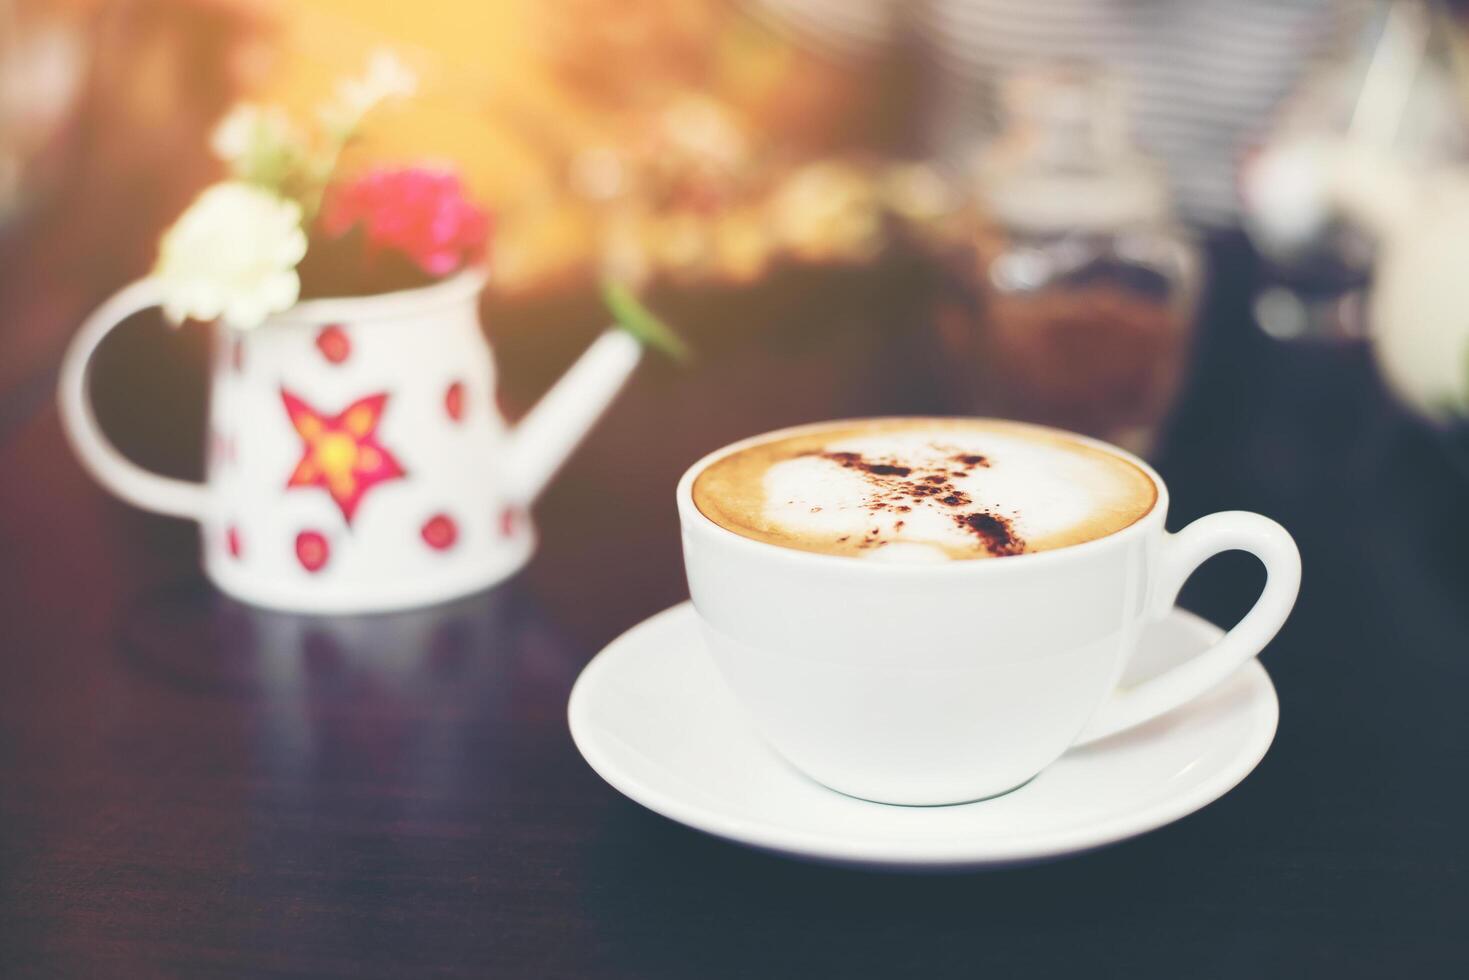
column 250, row 129
column 386, row 77
column 232, row 256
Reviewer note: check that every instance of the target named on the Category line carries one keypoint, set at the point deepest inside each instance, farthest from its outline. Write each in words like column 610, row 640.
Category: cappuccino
column 923, row 490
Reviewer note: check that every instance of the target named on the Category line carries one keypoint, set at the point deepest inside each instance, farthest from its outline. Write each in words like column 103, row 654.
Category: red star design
column 341, row 452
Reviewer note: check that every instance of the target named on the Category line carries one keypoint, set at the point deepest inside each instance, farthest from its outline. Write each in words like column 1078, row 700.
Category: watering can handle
column 121, row 476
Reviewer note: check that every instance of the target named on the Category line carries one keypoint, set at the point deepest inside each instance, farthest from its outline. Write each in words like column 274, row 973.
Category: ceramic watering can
column 357, row 460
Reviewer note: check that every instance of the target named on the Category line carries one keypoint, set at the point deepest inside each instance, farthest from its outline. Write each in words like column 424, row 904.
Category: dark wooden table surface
column 190, row 787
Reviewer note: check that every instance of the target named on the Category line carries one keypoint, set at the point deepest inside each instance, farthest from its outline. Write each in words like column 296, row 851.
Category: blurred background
column 1173, row 225
column 1229, row 236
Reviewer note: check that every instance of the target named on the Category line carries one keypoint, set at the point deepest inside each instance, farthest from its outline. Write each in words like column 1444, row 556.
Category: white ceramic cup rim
column 692, row 517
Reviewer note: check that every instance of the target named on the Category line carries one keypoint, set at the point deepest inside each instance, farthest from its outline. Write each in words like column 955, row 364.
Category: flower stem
column 632, row 316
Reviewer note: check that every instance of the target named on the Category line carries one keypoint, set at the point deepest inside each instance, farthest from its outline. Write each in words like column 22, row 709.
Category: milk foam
column 1039, row 491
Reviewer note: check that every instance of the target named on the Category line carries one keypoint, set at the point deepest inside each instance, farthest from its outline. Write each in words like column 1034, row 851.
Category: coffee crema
column 922, row 490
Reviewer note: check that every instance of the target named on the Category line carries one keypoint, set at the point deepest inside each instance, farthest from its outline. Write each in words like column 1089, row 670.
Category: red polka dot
column 507, row 521
column 312, row 550
column 454, row 401
column 440, row 532
column 232, row 541
column 333, row 343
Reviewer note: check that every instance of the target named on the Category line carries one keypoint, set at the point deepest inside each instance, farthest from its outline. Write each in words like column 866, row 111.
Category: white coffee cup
column 949, row 682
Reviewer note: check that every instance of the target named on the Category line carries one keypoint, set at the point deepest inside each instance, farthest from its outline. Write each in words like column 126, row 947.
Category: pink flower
column 422, row 214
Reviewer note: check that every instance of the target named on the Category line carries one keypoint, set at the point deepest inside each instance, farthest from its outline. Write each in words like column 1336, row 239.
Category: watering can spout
column 544, row 439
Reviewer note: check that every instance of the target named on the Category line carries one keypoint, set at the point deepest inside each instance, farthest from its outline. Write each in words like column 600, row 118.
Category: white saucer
column 653, row 718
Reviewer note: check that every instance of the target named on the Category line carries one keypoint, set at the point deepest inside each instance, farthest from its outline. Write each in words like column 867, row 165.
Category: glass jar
column 1085, row 286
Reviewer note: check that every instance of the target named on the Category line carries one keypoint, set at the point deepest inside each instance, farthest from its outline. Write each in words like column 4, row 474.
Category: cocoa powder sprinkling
column 995, row 531
column 895, row 484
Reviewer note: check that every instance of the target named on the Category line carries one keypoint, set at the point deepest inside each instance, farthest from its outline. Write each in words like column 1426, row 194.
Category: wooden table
column 191, row 787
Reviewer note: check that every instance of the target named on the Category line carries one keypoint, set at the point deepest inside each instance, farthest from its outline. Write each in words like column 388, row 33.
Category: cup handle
column 1182, row 554
column 165, row 495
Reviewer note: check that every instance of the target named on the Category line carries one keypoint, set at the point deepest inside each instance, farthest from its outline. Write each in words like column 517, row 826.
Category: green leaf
column 632, row 316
